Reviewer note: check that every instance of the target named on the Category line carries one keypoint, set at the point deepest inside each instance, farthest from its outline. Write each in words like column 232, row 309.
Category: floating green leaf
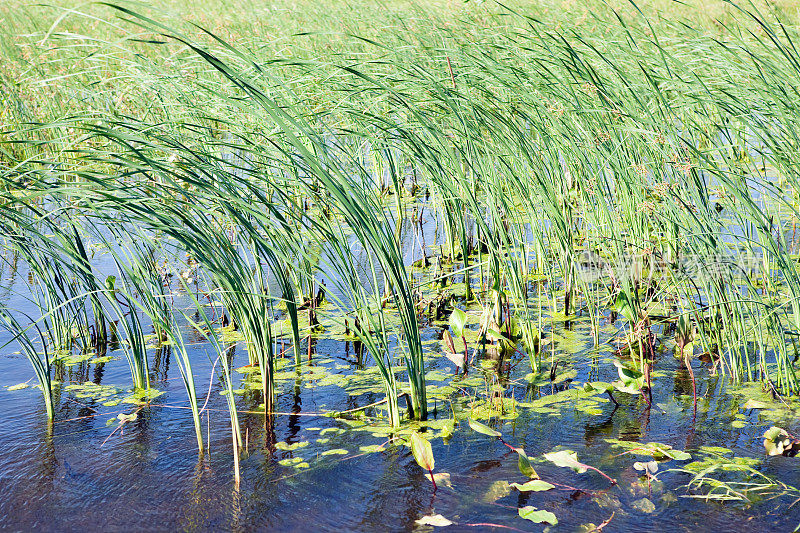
column 601, row 386
column 123, row 418
column 534, row 485
column 482, row 428
column 372, row 448
column 335, row 451
column 537, row 515
column 566, row 459
column 285, row 446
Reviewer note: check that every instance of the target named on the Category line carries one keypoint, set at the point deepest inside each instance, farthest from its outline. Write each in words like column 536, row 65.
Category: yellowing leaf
column 651, row 467
column 421, row 449
column 436, row 520
column 456, row 358
column 777, row 441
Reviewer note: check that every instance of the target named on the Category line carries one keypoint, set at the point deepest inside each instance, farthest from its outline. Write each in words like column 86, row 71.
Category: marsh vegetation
column 470, row 265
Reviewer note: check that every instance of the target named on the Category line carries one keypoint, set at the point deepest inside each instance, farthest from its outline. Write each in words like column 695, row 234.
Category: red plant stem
column 452, row 77
column 513, row 448
column 604, row 524
column 488, row 524
column 432, row 480
column 570, row 487
column 646, row 399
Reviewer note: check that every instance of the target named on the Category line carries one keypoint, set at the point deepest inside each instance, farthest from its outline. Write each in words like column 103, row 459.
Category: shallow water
column 148, row 477
column 87, row 472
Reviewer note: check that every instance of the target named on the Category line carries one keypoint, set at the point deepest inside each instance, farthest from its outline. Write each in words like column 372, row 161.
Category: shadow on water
column 303, row 470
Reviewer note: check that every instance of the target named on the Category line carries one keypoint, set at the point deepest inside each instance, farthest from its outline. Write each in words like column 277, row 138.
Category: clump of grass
column 651, row 149
column 39, row 358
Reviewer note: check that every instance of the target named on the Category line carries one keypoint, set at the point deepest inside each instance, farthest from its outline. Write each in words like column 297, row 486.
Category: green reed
column 663, row 150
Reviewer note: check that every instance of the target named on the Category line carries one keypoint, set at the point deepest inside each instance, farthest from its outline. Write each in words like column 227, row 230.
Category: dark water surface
column 87, row 474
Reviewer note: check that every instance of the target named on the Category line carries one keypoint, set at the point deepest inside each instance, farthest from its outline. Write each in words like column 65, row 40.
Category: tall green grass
column 665, row 151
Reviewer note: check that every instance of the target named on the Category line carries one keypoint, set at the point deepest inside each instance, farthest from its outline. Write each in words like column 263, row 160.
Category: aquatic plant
column 423, row 454
column 641, row 178
column 39, row 358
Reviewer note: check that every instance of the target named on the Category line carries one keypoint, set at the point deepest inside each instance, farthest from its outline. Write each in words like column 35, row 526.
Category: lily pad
column 372, row 448
column 123, row 418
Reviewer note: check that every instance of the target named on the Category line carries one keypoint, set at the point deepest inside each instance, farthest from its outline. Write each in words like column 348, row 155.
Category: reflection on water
column 86, row 473
column 148, row 476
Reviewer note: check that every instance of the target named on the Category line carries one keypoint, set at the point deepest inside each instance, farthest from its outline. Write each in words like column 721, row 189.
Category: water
column 148, row 475
column 88, row 472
